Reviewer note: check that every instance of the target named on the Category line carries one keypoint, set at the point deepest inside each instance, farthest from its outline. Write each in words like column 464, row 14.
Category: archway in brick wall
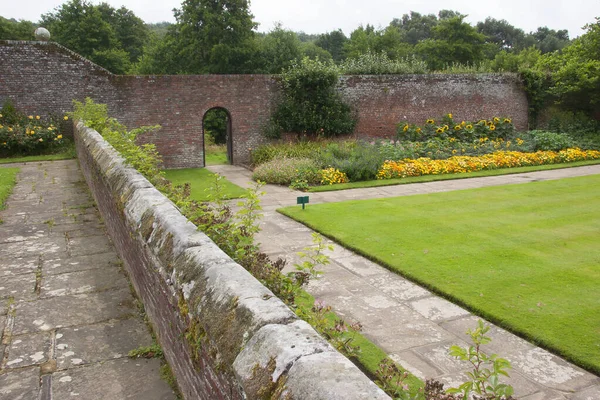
column 216, row 122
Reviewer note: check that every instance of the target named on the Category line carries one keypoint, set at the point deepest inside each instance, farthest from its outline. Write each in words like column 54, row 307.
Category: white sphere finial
column 42, row 34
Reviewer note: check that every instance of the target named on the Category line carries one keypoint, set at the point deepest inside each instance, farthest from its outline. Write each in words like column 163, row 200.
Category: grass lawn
column 216, row 155
column 431, row 178
column 65, row 154
column 200, row 180
column 524, row 256
column 7, row 182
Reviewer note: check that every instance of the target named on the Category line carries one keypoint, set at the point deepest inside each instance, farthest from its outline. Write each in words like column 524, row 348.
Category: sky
column 320, row 16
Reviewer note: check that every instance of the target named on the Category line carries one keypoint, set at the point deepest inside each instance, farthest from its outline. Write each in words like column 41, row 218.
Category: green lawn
column 7, row 182
column 216, row 155
column 66, row 153
column 202, row 179
column 524, row 256
column 444, row 177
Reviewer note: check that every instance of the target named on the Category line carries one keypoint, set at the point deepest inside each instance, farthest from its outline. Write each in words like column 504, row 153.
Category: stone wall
column 44, row 77
column 224, row 334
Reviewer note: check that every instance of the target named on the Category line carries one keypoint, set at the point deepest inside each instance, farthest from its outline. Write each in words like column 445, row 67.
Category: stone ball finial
column 42, row 34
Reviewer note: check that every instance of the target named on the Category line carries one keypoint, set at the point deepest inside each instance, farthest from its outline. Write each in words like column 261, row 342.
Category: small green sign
column 302, row 200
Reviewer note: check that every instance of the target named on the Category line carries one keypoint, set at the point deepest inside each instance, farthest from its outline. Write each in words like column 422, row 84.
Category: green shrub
column 379, row 63
column 29, row 135
column 550, row 141
column 310, row 103
column 285, row 171
column 360, row 161
column 304, row 149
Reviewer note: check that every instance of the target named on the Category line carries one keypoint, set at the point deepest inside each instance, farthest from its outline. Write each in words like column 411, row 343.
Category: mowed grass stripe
column 201, row 180
column 525, row 256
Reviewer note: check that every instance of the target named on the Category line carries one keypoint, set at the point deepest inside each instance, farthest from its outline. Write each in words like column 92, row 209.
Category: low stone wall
column 225, row 335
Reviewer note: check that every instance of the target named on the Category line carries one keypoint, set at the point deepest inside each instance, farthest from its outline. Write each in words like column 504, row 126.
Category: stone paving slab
column 415, row 327
column 114, row 379
column 81, row 309
column 67, row 315
column 105, row 341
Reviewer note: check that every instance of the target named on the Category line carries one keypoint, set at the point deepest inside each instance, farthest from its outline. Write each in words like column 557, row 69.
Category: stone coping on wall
column 256, row 342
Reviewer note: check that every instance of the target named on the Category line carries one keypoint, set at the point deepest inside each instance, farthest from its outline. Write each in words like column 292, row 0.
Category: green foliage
column 209, row 37
column 359, row 162
column 111, row 38
column 302, row 149
column 29, row 135
column 152, row 351
column 379, row 64
column 333, row 42
column 280, row 48
column 484, row 378
column 550, row 141
column 536, row 88
column 215, row 125
column 286, row 171
column 11, row 29
column 310, row 104
column 453, row 41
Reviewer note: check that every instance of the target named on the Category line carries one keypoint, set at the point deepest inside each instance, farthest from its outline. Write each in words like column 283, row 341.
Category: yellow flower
column 449, row 115
column 457, row 128
column 59, row 137
column 418, row 130
column 496, row 120
column 446, row 127
column 492, row 127
column 507, row 120
column 30, row 117
column 37, row 117
column 439, row 130
column 1, row 127
column 9, row 129
column 430, row 121
column 405, row 128
column 0, row 115
column 469, row 126
column 66, row 118
column 32, row 132
column 40, row 139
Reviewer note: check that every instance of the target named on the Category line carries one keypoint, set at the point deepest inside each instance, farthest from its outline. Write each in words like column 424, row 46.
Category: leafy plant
column 287, row 170
column 484, row 377
column 310, row 104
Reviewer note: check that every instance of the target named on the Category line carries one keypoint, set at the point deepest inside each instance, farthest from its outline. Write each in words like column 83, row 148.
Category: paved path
column 67, row 316
column 411, row 324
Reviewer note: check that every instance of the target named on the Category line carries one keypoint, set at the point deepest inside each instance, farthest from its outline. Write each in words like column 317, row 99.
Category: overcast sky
column 319, row 16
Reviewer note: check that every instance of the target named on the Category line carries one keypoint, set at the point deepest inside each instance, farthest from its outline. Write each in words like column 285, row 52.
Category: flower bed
column 499, row 159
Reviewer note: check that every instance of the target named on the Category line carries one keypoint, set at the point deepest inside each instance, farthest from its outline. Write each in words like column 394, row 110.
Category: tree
column 111, row 38
column 416, row 27
column 11, row 29
column 214, row 36
column 453, row 41
column 575, row 72
column 333, row 42
column 503, row 34
column 549, row 40
column 279, row 49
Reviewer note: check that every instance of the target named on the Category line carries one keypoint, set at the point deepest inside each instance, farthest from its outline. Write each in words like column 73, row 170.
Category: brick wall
column 43, row 78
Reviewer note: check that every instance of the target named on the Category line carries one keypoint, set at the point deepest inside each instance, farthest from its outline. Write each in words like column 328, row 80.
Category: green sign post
column 302, row 200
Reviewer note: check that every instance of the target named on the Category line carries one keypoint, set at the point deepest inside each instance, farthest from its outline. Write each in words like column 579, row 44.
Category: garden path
column 67, row 315
column 414, row 326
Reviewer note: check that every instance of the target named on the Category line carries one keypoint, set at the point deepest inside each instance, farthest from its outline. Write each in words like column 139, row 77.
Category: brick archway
column 228, row 134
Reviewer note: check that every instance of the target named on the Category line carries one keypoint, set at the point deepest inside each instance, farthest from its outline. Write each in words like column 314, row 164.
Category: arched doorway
column 218, row 143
